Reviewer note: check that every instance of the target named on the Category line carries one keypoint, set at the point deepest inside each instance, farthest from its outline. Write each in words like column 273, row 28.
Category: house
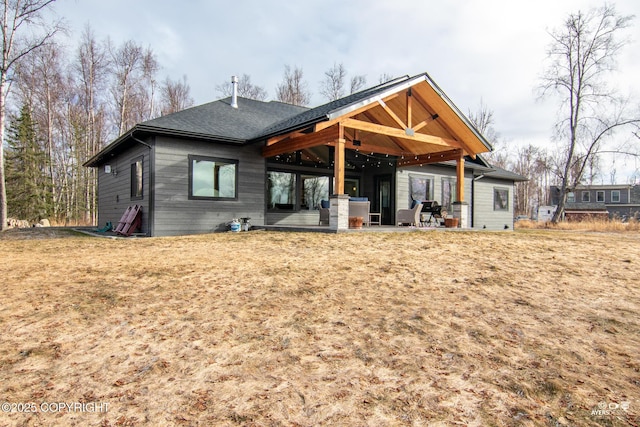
column 611, row 201
column 195, row 170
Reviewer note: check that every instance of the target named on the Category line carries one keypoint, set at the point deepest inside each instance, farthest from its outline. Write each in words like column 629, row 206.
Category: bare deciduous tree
column 23, row 31
column 134, row 78
column 293, row 89
column 385, row 77
column 357, row 83
column 333, row 85
column 246, row 89
column 92, row 66
column 483, row 121
column 581, row 56
column 176, row 95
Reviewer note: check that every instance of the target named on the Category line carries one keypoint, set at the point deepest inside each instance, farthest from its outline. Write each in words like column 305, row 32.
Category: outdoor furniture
column 375, row 218
column 130, row 221
column 409, row 216
column 360, row 208
column 324, row 212
column 434, row 210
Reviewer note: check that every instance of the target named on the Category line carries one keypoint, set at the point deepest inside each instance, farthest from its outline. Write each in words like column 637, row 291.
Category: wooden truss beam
column 442, row 123
column 279, row 138
column 325, row 137
column 397, row 141
column 324, row 125
column 424, row 159
column 399, row 133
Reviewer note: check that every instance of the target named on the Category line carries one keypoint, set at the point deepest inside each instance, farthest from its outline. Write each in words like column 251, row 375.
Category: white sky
column 491, row 50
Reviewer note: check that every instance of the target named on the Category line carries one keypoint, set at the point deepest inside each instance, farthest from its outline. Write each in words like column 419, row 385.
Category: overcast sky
column 491, row 50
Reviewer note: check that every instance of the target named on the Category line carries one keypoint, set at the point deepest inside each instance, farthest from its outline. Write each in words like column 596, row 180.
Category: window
column 212, row 178
column 352, row 187
column 586, row 196
column 314, row 189
column 615, row 196
column 500, row 199
column 136, row 179
column 420, row 188
column 448, row 193
column 600, row 196
column 282, row 190
column 571, row 197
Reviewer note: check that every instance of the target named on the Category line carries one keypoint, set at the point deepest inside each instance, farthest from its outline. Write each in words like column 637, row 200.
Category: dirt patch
column 265, row 328
column 39, row 233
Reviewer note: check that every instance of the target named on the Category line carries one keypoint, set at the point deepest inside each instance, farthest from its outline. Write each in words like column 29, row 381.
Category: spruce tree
column 28, row 189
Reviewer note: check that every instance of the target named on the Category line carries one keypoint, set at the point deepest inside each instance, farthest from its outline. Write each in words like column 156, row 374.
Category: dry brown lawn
column 517, row 328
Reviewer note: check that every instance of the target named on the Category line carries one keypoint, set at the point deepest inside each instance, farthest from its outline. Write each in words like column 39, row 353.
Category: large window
column 615, row 196
column 500, row 199
column 282, row 190
column 571, row 197
column 314, row 189
column 600, row 196
column 292, row 191
column 212, row 178
column 420, row 188
column 136, row 179
column 448, row 193
column 586, row 196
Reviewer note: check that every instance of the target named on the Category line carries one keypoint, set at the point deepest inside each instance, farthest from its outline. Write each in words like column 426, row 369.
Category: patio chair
column 324, row 212
column 360, row 208
column 409, row 216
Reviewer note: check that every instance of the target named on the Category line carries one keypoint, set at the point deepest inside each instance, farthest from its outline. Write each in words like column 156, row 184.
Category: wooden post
column 338, row 162
column 460, row 180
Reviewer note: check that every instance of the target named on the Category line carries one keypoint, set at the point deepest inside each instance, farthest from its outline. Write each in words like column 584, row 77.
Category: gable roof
column 324, row 112
column 256, row 121
column 352, row 103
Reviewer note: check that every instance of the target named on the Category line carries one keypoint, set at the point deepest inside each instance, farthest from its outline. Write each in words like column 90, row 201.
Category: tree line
column 594, row 118
column 67, row 103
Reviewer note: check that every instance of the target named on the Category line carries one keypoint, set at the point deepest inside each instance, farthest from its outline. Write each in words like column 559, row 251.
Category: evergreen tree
column 28, row 189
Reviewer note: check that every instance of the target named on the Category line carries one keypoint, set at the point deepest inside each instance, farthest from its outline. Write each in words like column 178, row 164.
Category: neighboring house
column 195, row 170
column 613, row 201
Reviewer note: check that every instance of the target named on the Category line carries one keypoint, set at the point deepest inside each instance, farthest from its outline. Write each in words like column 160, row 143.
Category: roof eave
column 406, row 85
column 293, row 128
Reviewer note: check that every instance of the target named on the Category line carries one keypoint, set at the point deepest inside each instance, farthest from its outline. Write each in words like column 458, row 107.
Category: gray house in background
column 195, row 170
column 619, row 201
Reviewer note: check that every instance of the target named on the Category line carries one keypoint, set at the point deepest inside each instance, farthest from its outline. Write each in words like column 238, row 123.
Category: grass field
column 533, row 327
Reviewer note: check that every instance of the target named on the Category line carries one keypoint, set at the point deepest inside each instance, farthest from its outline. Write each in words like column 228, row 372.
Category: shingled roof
column 321, row 113
column 214, row 121
column 218, row 120
column 255, row 120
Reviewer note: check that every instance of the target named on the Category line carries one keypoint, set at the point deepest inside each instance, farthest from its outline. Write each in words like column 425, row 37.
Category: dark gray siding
column 114, row 189
column 175, row 214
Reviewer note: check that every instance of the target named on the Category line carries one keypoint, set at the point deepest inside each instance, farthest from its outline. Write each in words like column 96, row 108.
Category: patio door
column 383, row 198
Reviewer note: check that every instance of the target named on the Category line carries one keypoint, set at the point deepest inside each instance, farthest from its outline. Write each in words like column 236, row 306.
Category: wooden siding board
column 175, row 214
column 482, row 211
column 484, row 214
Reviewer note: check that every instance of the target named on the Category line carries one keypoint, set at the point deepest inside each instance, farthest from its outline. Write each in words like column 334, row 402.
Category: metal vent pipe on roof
column 234, row 93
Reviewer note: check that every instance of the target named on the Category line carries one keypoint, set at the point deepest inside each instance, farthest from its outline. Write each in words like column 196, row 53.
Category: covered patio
column 407, row 122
